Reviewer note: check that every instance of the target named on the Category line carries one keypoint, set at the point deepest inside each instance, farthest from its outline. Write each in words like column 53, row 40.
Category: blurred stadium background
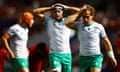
column 107, row 13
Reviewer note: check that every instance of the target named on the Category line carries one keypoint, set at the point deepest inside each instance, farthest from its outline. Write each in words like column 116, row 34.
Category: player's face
column 58, row 14
column 31, row 22
column 87, row 17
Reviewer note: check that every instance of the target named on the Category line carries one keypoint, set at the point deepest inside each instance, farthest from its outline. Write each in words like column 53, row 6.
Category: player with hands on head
column 60, row 59
column 89, row 35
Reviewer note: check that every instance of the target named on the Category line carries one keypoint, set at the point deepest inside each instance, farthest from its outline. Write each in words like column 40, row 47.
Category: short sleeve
column 45, row 20
column 11, row 31
column 102, row 32
column 77, row 24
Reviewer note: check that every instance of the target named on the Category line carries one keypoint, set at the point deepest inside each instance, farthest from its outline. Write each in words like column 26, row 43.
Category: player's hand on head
column 59, row 4
column 62, row 5
column 84, row 6
column 52, row 6
column 55, row 5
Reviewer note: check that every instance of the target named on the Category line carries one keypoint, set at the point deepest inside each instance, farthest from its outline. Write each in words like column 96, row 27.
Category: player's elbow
column 70, row 25
column 35, row 11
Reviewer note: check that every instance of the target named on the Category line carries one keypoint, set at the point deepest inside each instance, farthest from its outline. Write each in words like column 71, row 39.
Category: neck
column 88, row 23
column 59, row 18
column 23, row 24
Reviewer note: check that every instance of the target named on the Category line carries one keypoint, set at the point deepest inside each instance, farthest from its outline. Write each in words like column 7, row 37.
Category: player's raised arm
column 66, row 7
column 71, row 19
column 39, row 11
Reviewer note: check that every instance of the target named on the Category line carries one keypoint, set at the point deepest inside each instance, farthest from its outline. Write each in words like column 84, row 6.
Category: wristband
column 110, row 54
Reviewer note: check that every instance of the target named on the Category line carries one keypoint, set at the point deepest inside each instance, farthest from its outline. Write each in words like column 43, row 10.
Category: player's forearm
column 109, row 49
column 107, row 44
column 40, row 10
column 71, row 20
column 66, row 7
column 7, row 46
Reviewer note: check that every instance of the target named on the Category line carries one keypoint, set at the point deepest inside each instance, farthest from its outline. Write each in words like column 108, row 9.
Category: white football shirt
column 89, row 37
column 59, row 35
column 18, row 42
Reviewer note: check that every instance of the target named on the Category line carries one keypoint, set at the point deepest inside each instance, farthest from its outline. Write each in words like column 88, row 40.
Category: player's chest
column 21, row 34
column 89, row 30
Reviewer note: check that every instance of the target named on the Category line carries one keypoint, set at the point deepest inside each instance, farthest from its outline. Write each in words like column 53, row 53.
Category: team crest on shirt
column 91, row 29
column 96, row 29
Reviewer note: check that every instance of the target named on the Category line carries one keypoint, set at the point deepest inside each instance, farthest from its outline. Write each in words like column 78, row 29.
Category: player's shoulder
column 97, row 24
column 15, row 26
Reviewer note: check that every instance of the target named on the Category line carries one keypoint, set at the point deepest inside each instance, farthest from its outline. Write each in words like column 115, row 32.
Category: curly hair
column 90, row 8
